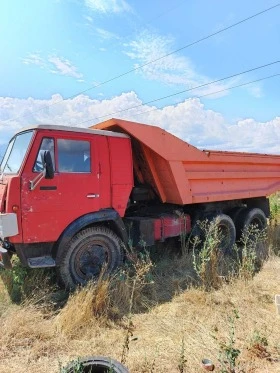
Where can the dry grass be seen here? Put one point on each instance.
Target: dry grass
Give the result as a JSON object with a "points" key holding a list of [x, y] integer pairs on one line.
{"points": [[32, 340], [83, 309], [156, 318]]}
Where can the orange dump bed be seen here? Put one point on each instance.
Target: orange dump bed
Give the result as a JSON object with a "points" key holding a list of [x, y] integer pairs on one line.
{"points": [[183, 174]]}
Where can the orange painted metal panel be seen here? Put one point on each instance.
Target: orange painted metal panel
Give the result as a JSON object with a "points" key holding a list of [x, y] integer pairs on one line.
{"points": [[183, 174]]}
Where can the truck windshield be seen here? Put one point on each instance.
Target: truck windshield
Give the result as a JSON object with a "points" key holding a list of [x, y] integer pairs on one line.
{"points": [[15, 153]]}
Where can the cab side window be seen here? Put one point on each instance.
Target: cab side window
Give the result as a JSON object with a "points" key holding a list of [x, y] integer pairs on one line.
{"points": [[73, 155], [46, 144]]}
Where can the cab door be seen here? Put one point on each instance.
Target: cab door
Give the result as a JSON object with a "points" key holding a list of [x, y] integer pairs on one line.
{"points": [[74, 191]]}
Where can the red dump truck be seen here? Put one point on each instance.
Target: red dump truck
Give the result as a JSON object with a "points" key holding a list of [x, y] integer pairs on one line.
{"points": [[73, 198]]}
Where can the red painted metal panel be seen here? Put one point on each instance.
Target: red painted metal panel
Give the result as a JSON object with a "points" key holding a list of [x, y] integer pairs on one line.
{"points": [[171, 226], [47, 212]]}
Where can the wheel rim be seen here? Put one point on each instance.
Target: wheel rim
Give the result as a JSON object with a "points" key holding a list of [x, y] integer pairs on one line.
{"points": [[90, 259]]}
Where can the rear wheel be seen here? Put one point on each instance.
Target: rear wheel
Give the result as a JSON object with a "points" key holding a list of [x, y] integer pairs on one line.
{"points": [[226, 231], [249, 217], [256, 217], [88, 252]]}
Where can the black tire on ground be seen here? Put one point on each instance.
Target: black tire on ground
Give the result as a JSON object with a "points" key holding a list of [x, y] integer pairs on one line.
{"points": [[96, 364], [226, 229], [249, 216], [86, 254], [253, 216]]}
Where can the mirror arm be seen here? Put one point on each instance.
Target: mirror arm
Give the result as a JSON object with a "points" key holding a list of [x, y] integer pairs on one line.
{"points": [[33, 183]]}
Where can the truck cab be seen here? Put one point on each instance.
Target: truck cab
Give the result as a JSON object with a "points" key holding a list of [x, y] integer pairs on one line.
{"points": [[90, 181]]}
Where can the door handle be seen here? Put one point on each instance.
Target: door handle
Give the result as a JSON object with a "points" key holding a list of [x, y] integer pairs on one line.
{"points": [[51, 187], [93, 196]]}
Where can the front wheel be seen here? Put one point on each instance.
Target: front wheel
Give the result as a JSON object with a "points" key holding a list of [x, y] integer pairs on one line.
{"points": [[87, 254]]}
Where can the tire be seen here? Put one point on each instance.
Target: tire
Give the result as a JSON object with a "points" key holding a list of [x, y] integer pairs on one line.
{"points": [[250, 216], [86, 254], [227, 230], [96, 364], [257, 217]]}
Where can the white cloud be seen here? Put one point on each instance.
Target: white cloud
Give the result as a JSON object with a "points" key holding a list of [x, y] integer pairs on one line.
{"points": [[250, 135], [53, 64], [107, 35], [88, 18], [188, 120], [171, 69], [108, 6], [34, 59], [64, 67], [174, 69]]}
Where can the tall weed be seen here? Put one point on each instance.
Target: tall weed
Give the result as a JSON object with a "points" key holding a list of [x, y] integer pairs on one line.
{"points": [[207, 254], [251, 251], [274, 224]]}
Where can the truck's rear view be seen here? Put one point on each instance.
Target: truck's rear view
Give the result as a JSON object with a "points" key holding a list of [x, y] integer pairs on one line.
{"points": [[74, 198]]}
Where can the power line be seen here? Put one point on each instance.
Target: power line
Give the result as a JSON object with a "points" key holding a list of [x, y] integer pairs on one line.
{"points": [[150, 62], [184, 91], [169, 10], [221, 90]]}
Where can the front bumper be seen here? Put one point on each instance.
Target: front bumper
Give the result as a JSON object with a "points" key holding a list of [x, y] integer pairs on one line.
{"points": [[8, 228], [8, 225]]}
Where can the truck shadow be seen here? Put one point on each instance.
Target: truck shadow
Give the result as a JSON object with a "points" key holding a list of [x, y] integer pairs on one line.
{"points": [[157, 276]]}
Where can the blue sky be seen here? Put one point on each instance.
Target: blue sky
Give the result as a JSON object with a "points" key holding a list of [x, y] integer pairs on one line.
{"points": [[54, 49]]}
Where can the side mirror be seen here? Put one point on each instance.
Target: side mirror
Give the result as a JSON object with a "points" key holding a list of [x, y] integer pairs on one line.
{"points": [[47, 172], [48, 164]]}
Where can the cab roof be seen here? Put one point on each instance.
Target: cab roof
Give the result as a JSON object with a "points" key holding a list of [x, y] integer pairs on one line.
{"points": [[51, 127]]}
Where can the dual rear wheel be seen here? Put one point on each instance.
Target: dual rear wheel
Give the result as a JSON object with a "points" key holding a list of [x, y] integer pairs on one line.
{"points": [[230, 227], [256, 219]]}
